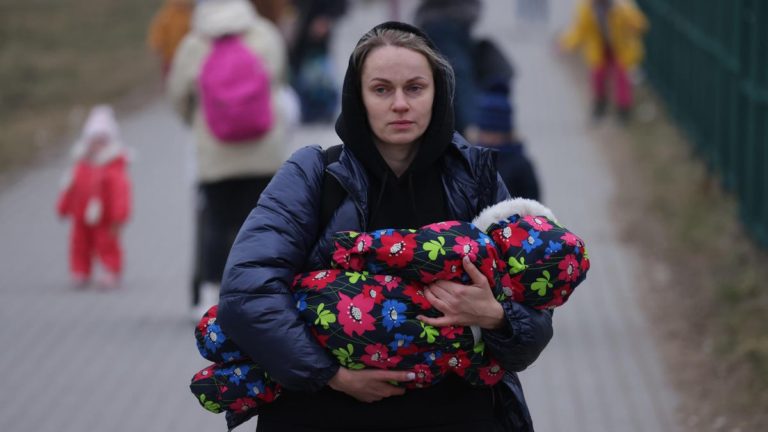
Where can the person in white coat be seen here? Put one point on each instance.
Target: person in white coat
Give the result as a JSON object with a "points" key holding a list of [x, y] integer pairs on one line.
{"points": [[229, 177]]}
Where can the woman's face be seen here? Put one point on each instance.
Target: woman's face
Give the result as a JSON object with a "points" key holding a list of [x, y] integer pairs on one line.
{"points": [[398, 90]]}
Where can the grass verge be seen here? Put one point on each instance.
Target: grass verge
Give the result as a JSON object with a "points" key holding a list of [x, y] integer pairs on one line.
{"points": [[59, 58], [707, 295]]}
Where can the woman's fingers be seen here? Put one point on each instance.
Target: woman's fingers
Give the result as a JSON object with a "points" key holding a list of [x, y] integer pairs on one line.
{"points": [[439, 297], [370, 385], [399, 376], [478, 278], [440, 305]]}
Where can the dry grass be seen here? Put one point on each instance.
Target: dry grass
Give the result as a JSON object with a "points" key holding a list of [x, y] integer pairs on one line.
{"points": [[57, 58], [707, 295]]}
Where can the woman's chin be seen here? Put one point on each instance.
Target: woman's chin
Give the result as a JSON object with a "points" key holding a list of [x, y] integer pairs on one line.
{"points": [[400, 139]]}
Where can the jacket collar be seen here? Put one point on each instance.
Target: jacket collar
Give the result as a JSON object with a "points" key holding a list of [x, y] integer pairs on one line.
{"points": [[467, 166]]}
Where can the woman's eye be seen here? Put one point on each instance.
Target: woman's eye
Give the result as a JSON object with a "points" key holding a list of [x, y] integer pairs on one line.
{"points": [[414, 88], [380, 90]]}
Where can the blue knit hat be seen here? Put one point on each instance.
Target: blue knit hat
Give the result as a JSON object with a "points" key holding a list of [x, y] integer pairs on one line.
{"points": [[494, 110]]}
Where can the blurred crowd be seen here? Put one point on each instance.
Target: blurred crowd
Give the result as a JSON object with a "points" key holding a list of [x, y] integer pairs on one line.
{"points": [[243, 74]]}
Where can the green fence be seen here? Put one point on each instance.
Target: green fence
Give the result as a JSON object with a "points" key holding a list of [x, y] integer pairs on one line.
{"points": [[708, 59]]}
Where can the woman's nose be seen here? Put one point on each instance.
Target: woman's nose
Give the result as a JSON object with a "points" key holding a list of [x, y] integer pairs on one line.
{"points": [[399, 103]]}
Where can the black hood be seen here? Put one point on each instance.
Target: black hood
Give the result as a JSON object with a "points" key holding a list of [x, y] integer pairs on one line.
{"points": [[353, 128]]}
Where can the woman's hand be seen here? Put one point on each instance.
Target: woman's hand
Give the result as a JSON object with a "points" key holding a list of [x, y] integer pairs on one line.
{"points": [[369, 385], [464, 305]]}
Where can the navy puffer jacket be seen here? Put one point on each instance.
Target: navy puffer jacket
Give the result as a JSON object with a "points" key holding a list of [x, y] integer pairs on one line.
{"points": [[281, 238]]}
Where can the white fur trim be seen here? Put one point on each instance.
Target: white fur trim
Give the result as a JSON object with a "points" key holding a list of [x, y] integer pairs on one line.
{"points": [[504, 209]]}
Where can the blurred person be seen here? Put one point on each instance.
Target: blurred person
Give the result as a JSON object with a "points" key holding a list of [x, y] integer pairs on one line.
{"points": [[533, 10], [313, 76], [279, 12], [401, 165], [273, 10], [96, 196], [169, 26], [230, 51], [449, 24], [496, 131], [609, 33]]}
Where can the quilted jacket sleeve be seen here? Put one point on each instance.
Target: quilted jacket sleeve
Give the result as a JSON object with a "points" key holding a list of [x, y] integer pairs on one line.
{"points": [[525, 336], [256, 308]]}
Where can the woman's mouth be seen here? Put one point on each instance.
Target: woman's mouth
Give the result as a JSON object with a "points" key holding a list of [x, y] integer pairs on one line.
{"points": [[400, 124]]}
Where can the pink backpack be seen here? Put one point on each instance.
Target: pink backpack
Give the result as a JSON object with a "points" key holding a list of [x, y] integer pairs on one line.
{"points": [[235, 92]]}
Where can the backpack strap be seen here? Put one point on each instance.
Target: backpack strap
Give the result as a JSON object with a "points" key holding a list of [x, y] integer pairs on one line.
{"points": [[332, 193]]}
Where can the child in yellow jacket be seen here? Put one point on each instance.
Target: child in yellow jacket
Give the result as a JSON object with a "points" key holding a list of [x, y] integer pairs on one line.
{"points": [[609, 33]]}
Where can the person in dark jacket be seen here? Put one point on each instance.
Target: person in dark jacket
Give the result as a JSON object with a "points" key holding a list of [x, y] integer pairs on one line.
{"points": [[496, 131], [313, 76], [401, 166], [449, 24]]}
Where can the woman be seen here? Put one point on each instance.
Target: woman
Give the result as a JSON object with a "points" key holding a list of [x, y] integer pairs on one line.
{"points": [[401, 166]]}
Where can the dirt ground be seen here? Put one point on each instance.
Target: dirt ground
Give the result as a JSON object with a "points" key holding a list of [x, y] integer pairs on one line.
{"points": [[682, 224]]}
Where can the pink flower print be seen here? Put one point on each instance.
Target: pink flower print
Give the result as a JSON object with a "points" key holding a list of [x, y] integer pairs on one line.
{"points": [[377, 355], [205, 373], [491, 374], [374, 292], [465, 246], [511, 287], [268, 395], [321, 338], [452, 270], [560, 295], [489, 268], [354, 314], [584, 264], [342, 257], [423, 375], [569, 268], [362, 244], [396, 250], [538, 223], [450, 332], [509, 235], [571, 239], [387, 281], [415, 291], [458, 362], [318, 280], [442, 226], [427, 278], [207, 319], [243, 405]]}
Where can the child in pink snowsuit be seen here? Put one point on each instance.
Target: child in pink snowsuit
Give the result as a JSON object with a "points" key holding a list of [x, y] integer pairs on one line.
{"points": [[97, 197]]}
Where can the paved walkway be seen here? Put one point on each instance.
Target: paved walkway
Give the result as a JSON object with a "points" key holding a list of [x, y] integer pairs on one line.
{"points": [[76, 361]]}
